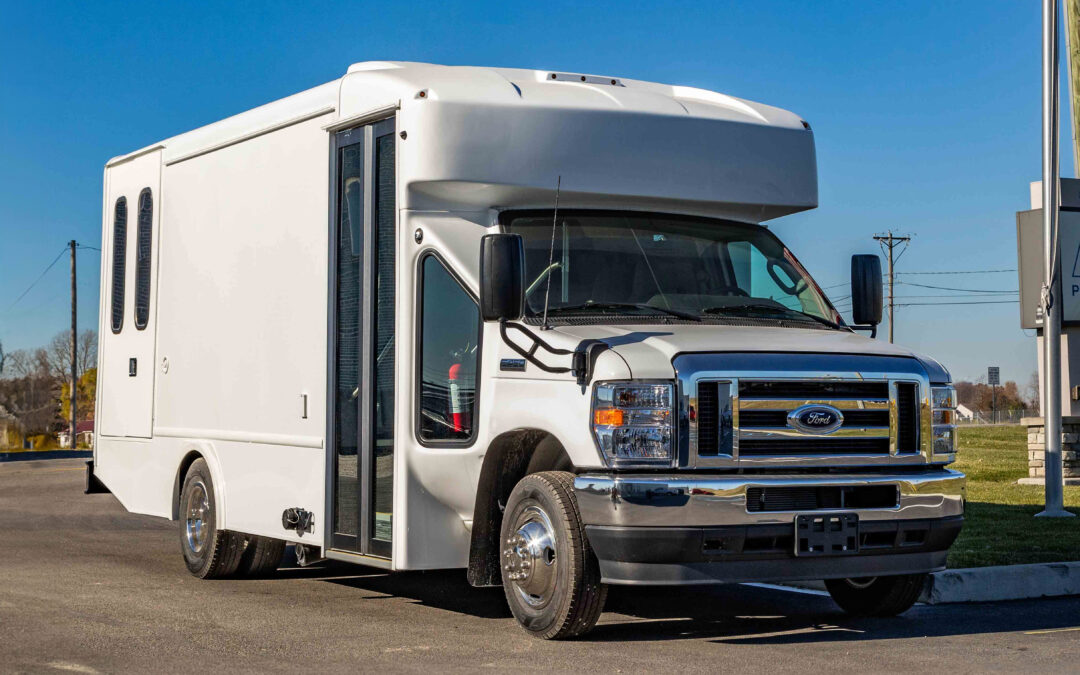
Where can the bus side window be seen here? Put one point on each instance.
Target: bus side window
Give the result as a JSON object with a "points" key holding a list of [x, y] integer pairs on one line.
{"points": [[142, 259], [119, 264], [449, 352]]}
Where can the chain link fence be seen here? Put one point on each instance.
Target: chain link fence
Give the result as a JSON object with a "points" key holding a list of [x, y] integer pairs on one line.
{"points": [[997, 417]]}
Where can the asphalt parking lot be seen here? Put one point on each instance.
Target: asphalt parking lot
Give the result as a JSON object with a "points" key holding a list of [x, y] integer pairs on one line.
{"points": [[87, 587]]}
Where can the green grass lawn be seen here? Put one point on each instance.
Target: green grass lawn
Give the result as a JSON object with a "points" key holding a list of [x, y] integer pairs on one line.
{"points": [[999, 527]]}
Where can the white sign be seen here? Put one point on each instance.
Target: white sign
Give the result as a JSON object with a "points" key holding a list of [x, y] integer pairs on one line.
{"points": [[1069, 230]]}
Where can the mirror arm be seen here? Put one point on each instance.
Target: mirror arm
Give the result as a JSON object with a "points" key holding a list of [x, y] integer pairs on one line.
{"points": [[872, 329], [580, 369]]}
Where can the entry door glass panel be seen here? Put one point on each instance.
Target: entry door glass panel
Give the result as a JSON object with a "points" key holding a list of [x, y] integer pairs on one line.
{"points": [[383, 385], [348, 339]]}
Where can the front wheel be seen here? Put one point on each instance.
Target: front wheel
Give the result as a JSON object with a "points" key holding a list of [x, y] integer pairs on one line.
{"points": [[208, 552], [550, 575], [876, 596]]}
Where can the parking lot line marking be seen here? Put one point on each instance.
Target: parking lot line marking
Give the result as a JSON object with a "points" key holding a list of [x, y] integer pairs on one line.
{"points": [[1051, 630]]}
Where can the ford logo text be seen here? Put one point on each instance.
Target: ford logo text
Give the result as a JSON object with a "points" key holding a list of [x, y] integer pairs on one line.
{"points": [[815, 419]]}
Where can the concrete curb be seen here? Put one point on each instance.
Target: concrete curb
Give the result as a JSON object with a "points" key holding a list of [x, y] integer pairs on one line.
{"points": [[1006, 582], [991, 584]]}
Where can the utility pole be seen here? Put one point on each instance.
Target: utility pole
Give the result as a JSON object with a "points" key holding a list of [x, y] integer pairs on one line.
{"points": [[890, 242], [73, 392]]}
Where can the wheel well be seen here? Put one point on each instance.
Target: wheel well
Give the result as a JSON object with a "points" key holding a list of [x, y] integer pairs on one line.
{"points": [[509, 458], [181, 474]]}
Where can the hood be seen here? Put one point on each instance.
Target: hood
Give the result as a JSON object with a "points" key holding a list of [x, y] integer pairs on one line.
{"points": [[648, 349]]}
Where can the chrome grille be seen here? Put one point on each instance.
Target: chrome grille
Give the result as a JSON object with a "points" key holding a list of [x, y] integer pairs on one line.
{"points": [[907, 417], [738, 411]]}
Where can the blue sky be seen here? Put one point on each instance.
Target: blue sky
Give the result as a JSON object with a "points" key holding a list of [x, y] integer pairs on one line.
{"points": [[926, 117]]}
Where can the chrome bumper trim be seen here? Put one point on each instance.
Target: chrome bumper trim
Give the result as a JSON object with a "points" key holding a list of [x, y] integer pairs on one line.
{"points": [[651, 500]]}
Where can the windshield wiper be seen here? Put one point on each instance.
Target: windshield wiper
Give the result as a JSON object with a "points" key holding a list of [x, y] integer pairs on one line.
{"points": [[763, 307], [601, 306]]}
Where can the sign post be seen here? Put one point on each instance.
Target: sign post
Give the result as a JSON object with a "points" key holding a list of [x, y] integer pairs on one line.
{"points": [[993, 378], [1055, 507]]}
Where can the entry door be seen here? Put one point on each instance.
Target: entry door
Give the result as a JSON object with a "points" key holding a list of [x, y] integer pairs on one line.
{"points": [[129, 316], [362, 333]]}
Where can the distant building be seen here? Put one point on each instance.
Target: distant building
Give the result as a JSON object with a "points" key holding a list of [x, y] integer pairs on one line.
{"points": [[965, 413], [84, 432]]}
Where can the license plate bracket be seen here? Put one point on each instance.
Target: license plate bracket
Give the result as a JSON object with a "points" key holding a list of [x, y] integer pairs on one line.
{"points": [[826, 534]]}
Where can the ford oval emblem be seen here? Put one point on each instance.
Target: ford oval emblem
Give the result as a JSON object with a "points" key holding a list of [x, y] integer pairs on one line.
{"points": [[815, 419]]}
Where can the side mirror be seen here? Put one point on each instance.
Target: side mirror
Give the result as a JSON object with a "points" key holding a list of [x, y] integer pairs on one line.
{"points": [[866, 298], [502, 277]]}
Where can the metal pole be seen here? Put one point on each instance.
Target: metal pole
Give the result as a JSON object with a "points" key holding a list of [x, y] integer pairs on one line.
{"points": [[1051, 305], [74, 391]]}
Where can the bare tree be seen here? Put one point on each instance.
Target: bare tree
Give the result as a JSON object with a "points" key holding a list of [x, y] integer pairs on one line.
{"points": [[57, 355], [28, 391], [22, 363], [87, 351], [1031, 392]]}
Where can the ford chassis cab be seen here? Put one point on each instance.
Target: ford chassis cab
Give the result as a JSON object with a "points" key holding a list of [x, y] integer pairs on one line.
{"points": [[530, 324]]}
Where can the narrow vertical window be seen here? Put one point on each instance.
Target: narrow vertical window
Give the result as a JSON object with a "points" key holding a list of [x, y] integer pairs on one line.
{"points": [[119, 260], [142, 260], [449, 349], [383, 338]]}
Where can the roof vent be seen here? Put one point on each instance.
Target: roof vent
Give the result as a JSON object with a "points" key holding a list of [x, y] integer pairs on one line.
{"points": [[587, 79]]}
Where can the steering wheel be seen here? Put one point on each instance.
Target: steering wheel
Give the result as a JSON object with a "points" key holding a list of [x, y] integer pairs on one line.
{"points": [[729, 290]]}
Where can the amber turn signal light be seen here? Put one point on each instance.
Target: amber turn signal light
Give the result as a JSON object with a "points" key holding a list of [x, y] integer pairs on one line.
{"points": [[608, 417]]}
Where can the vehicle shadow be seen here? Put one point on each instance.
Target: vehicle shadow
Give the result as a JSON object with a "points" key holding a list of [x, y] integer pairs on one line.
{"points": [[729, 614], [443, 589]]}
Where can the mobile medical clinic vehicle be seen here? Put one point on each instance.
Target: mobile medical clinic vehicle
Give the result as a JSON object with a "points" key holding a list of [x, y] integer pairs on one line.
{"points": [[526, 323]]}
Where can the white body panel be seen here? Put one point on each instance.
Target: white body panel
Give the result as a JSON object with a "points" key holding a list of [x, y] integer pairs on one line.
{"points": [[125, 408], [240, 296]]}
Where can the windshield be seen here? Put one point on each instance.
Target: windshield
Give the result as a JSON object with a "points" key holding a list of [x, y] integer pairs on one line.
{"points": [[671, 267]]}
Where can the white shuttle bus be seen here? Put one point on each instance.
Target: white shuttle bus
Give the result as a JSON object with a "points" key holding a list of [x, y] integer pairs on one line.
{"points": [[525, 323]]}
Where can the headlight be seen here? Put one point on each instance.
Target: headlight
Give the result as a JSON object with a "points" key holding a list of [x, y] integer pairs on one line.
{"points": [[943, 402], [632, 423]]}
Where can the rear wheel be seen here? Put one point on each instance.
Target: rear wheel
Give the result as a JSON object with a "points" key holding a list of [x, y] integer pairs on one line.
{"points": [[261, 557], [876, 596], [550, 575], [208, 552]]}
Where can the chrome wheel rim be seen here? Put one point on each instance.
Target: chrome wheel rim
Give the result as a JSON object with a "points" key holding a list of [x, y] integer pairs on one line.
{"points": [[861, 582], [530, 557], [197, 524]]}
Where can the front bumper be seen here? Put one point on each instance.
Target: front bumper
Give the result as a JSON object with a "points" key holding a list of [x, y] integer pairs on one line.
{"points": [[667, 529]]}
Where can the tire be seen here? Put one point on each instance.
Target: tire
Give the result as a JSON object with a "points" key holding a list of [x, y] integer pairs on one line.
{"points": [[876, 596], [261, 557], [550, 574], [209, 553]]}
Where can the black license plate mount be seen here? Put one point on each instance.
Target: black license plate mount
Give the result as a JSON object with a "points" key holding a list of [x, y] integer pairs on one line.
{"points": [[826, 534]]}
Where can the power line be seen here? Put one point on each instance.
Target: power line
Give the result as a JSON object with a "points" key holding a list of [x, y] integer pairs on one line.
{"points": [[40, 277], [954, 295], [957, 272], [92, 248], [947, 288], [983, 302]]}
